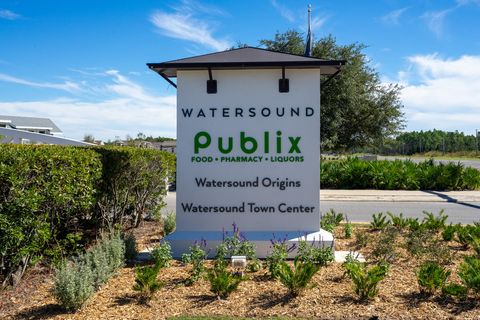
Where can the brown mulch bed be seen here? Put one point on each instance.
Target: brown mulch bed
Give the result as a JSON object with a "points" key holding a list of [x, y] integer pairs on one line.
{"points": [[330, 297]]}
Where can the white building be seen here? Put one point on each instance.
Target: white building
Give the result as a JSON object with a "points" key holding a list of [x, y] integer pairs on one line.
{"points": [[31, 130], [30, 124]]}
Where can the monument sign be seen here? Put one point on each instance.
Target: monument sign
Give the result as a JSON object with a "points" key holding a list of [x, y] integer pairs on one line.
{"points": [[248, 146]]}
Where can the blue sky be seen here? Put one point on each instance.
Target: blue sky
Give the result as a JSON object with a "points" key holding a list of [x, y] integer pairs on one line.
{"points": [[82, 63]]}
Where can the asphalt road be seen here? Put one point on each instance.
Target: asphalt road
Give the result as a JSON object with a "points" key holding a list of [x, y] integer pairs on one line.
{"points": [[361, 211]]}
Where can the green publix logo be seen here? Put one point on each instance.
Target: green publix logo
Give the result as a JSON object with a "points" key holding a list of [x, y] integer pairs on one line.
{"points": [[249, 146]]}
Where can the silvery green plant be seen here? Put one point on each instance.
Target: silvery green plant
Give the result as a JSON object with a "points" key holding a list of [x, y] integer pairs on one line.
{"points": [[73, 284], [105, 258], [169, 223], [76, 281]]}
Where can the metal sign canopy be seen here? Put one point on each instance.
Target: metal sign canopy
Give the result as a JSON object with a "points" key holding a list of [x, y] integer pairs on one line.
{"points": [[246, 58]]}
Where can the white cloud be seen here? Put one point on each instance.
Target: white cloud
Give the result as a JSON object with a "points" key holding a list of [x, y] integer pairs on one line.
{"points": [[467, 2], [283, 10], [442, 93], [317, 22], [393, 17], [193, 7], [183, 25], [435, 20], [9, 15], [128, 109], [66, 86]]}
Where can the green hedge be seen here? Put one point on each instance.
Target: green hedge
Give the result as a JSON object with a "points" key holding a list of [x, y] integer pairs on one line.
{"points": [[54, 199], [132, 183], [43, 189], [353, 173]]}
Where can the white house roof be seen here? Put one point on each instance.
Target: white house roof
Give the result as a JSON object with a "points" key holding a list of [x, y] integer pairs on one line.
{"points": [[30, 123]]}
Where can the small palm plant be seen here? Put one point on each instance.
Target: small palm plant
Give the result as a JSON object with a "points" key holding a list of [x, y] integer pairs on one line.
{"points": [[146, 282], [298, 278], [431, 276], [379, 222], [223, 282], [365, 280]]}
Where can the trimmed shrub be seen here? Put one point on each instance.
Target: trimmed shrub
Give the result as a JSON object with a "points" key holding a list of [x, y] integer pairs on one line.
{"points": [[47, 192], [54, 196], [133, 183]]}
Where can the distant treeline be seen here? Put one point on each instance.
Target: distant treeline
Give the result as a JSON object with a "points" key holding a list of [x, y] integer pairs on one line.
{"points": [[427, 141]]}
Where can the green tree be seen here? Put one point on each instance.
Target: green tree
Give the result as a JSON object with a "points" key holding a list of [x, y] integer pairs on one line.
{"points": [[89, 138], [357, 108]]}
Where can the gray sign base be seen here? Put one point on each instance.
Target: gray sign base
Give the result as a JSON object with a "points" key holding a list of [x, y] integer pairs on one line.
{"points": [[182, 240]]}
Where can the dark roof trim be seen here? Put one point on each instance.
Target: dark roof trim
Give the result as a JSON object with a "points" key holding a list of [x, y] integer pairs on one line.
{"points": [[246, 58], [203, 65], [244, 50]]}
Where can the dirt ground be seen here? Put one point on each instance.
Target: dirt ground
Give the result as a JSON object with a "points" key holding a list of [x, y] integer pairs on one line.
{"points": [[331, 296]]}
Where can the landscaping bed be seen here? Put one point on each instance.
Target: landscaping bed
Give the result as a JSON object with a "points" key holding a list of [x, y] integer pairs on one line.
{"points": [[330, 296]]}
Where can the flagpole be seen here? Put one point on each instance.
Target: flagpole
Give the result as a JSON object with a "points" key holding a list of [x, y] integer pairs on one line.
{"points": [[309, 16], [308, 44]]}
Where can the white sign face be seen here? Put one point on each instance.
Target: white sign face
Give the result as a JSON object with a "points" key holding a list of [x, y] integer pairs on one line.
{"points": [[248, 154]]}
